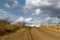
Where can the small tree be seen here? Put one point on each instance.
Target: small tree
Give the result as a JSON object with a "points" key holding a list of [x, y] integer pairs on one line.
{"points": [[59, 19], [5, 21], [22, 23]]}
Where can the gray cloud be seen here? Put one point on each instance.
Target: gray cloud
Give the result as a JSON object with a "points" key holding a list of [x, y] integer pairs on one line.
{"points": [[14, 5], [11, 3], [49, 8], [52, 9]]}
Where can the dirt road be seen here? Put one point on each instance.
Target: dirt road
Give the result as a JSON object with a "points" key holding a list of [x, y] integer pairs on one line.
{"points": [[32, 34]]}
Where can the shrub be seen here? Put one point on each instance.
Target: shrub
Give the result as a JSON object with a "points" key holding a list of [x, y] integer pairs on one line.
{"points": [[7, 27]]}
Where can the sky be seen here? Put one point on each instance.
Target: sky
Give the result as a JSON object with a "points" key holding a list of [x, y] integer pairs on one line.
{"points": [[33, 12]]}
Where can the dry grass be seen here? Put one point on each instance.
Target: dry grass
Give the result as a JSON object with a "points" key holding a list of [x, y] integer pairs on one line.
{"points": [[6, 27], [51, 27]]}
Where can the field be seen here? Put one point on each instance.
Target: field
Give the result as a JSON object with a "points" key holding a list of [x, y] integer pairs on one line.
{"points": [[51, 27], [22, 32], [29, 33]]}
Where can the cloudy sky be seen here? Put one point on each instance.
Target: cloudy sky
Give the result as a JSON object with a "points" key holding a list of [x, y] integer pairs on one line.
{"points": [[34, 12]]}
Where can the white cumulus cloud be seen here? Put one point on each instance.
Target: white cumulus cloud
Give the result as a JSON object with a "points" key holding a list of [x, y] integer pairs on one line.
{"points": [[30, 21], [37, 12], [21, 19], [53, 20]]}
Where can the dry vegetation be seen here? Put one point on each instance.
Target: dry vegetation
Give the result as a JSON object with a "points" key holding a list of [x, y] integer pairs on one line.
{"points": [[6, 27], [10, 31], [51, 27]]}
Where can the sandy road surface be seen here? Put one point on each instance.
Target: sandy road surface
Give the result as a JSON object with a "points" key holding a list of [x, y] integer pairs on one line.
{"points": [[32, 34]]}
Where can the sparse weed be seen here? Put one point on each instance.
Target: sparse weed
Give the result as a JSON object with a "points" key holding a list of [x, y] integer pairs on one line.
{"points": [[7, 27]]}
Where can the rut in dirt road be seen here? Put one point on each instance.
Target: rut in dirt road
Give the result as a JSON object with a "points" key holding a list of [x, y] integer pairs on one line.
{"points": [[32, 34]]}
